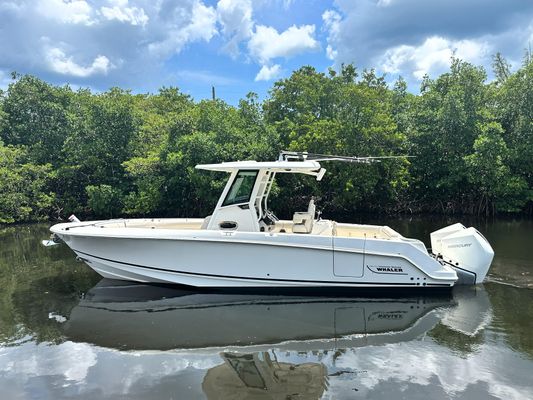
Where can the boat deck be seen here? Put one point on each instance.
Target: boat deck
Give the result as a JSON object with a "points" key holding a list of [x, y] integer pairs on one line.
{"points": [[320, 227]]}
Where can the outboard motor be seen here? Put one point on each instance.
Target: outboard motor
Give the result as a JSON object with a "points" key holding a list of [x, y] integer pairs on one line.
{"points": [[464, 249]]}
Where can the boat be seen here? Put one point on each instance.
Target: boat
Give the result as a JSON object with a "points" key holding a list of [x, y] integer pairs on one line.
{"points": [[242, 244]]}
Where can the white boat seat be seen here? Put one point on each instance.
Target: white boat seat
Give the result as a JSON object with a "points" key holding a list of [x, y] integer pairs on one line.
{"points": [[303, 221]]}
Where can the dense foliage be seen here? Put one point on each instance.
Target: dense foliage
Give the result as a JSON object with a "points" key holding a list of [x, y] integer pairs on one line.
{"points": [[116, 153]]}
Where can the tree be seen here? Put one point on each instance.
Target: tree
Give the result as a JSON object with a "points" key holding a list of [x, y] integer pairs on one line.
{"points": [[36, 116], [99, 142], [112, 153], [515, 114], [498, 189], [446, 121], [502, 69], [340, 115], [22, 187], [104, 200], [210, 131]]}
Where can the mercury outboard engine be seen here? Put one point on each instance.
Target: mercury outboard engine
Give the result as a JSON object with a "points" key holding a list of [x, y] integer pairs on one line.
{"points": [[464, 249]]}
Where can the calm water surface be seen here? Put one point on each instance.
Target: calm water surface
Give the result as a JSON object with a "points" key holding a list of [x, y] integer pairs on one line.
{"points": [[66, 333]]}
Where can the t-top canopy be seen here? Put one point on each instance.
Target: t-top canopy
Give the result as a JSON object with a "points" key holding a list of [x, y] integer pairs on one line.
{"points": [[296, 167]]}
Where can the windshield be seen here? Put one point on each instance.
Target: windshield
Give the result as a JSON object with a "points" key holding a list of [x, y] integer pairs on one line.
{"points": [[241, 188]]}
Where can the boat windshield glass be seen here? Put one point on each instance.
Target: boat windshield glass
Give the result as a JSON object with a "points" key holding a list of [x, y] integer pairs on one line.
{"points": [[241, 188]]}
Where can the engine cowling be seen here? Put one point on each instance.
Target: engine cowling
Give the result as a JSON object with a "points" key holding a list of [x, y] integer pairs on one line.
{"points": [[464, 249]]}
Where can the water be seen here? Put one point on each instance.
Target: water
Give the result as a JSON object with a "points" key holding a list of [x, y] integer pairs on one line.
{"points": [[65, 333]]}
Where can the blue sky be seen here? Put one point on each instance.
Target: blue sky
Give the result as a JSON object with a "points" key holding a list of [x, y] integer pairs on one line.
{"points": [[245, 45]]}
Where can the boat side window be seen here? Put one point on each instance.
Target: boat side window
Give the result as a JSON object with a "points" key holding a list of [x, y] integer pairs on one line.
{"points": [[241, 188]]}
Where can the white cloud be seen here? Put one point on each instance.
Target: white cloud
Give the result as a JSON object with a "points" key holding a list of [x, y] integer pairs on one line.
{"points": [[405, 38], [331, 53], [268, 73], [266, 43], [59, 62], [83, 47], [203, 22], [332, 21], [121, 12], [187, 24], [72, 12], [235, 16], [432, 57]]}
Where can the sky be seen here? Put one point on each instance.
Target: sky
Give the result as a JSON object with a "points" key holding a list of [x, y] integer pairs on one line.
{"points": [[240, 46]]}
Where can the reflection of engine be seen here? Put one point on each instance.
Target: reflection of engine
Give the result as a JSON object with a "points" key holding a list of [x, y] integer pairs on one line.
{"points": [[257, 376], [464, 249]]}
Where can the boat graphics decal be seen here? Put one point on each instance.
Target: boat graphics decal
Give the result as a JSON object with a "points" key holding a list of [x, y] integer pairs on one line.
{"points": [[386, 269]]}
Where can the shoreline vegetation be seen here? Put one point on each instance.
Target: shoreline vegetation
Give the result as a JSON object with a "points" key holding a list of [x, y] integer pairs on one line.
{"points": [[118, 154]]}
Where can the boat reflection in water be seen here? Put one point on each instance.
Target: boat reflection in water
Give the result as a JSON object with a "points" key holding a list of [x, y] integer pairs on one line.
{"points": [[268, 346], [258, 376], [128, 316]]}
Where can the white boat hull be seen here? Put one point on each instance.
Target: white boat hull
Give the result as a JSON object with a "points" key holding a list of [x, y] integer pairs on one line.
{"points": [[203, 258]]}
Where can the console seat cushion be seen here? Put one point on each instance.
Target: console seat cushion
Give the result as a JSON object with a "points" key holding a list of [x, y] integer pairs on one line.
{"points": [[303, 221]]}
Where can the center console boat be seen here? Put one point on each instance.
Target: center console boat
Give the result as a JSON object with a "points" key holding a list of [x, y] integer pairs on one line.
{"points": [[242, 244]]}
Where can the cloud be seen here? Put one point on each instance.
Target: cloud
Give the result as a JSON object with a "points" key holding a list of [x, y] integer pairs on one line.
{"points": [[122, 13], [235, 17], [433, 56], [182, 25], [72, 12], [145, 43], [263, 43], [100, 43], [202, 25], [332, 21], [266, 43], [414, 37], [139, 43], [61, 63], [268, 73]]}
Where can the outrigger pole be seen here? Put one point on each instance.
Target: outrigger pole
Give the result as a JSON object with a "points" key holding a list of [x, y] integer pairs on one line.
{"points": [[285, 155]]}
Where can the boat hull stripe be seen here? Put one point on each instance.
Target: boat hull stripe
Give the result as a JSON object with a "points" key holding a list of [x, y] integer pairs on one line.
{"points": [[262, 279]]}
